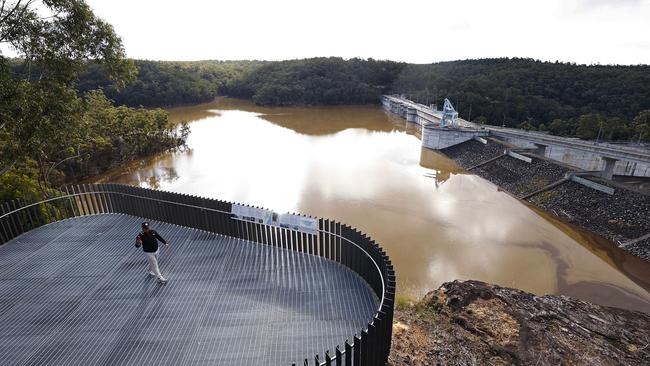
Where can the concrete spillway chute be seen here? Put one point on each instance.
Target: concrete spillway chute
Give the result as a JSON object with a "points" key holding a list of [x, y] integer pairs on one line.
{"points": [[449, 115]]}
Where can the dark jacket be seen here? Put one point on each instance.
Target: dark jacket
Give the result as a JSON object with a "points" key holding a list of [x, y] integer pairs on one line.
{"points": [[150, 241]]}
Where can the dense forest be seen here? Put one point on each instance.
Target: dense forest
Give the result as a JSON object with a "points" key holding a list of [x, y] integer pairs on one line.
{"points": [[329, 81], [606, 102], [163, 84], [591, 102], [316, 81]]}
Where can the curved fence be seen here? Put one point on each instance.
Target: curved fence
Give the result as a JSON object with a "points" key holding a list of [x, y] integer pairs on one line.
{"points": [[331, 240]]}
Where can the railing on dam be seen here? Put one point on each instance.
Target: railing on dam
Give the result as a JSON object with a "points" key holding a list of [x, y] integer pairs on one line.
{"points": [[331, 240]]}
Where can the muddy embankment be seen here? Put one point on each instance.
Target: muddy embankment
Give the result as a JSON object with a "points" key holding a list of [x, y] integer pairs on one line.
{"points": [[623, 217], [473, 323]]}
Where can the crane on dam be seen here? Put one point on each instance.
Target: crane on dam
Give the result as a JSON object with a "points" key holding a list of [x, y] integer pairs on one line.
{"points": [[449, 115]]}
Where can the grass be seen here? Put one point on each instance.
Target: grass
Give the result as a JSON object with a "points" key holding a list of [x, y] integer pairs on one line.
{"points": [[403, 301]]}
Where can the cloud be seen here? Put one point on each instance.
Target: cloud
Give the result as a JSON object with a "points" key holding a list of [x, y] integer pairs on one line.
{"points": [[589, 5]]}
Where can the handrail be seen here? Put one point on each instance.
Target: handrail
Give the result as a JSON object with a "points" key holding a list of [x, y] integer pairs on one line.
{"points": [[374, 343], [98, 192]]}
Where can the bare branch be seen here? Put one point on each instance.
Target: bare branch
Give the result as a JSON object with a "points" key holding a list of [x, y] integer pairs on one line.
{"points": [[7, 168], [49, 171], [10, 12]]}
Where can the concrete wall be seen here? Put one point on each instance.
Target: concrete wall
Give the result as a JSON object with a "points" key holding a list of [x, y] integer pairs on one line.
{"points": [[437, 138], [578, 156]]}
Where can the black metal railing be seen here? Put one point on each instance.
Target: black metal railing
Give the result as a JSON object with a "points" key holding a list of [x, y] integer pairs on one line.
{"points": [[333, 241]]}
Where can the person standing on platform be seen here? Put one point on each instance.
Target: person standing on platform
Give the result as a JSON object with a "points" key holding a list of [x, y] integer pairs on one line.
{"points": [[148, 239]]}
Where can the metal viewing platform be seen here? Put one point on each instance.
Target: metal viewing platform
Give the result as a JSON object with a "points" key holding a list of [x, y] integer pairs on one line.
{"points": [[75, 291]]}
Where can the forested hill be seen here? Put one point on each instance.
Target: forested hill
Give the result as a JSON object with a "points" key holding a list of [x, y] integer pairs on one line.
{"points": [[518, 90], [606, 102], [316, 81], [168, 83]]}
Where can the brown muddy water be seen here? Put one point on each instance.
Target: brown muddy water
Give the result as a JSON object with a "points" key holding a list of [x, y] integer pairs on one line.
{"points": [[366, 168]]}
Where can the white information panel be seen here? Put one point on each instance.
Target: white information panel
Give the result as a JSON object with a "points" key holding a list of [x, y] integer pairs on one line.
{"points": [[262, 216], [254, 214], [300, 223]]}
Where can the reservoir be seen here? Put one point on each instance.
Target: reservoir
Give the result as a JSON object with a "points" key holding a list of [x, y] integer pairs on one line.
{"points": [[363, 167]]}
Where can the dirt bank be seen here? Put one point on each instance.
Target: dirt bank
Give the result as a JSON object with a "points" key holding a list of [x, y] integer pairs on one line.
{"points": [[473, 323]]}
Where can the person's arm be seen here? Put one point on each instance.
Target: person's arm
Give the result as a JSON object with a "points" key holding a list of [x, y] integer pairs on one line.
{"points": [[157, 236], [138, 241]]}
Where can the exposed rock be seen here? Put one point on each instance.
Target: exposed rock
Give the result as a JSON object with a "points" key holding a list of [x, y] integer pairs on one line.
{"points": [[471, 153], [519, 177], [640, 249], [622, 216], [473, 323]]}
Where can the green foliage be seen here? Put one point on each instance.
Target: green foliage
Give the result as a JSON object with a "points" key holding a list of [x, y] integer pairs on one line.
{"points": [[48, 134], [19, 182], [590, 126], [403, 301], [316, 81], [57, 37], [641, 125], [526, 126], [162, 83], [110, 136]]}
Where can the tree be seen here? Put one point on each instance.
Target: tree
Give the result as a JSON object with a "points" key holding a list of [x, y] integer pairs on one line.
{"points": [[57, 40], [590, 126], [526, 126], [641, 126], [41, 114]]}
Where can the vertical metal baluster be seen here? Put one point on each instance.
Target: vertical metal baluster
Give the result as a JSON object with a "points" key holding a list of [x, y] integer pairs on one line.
{"points": [[101, 200], [348, 353], [327, 236], [91, 199], [372, 344], [109, 198], [12, 229], [365, 357], [77, 208], [16, 218], [339, 356], [79, 198], [357, 351], [5, 235], [338, 244], [82, 199], [28, 213]]}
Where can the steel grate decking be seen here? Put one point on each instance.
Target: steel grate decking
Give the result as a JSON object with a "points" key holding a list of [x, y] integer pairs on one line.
{"points": [[76, 292]]}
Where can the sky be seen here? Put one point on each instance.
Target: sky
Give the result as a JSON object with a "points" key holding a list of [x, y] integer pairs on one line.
{"points": [[417, 31]]}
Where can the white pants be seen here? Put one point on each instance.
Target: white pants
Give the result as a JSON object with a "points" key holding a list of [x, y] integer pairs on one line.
{"points": [[152, 258]]}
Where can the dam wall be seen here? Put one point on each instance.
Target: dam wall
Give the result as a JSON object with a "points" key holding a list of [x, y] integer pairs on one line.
{"points": [[608, 158]]}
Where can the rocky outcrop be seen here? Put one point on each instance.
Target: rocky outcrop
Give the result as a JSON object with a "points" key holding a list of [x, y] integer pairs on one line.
{"points": [[474, 323]]}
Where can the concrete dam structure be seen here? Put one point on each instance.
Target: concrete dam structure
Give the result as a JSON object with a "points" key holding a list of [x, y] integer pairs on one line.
{"points": [[604, 159]]}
